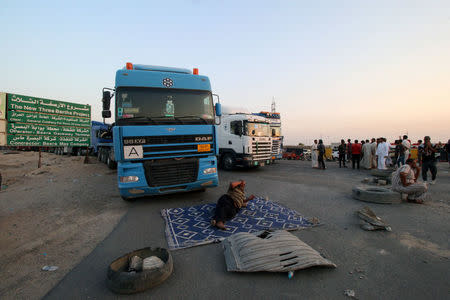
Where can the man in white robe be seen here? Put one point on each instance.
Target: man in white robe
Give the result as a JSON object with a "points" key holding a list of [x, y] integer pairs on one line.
{"points": [[374, 151], [314, 161], [382, 154], [366, 161], [407, 146]]}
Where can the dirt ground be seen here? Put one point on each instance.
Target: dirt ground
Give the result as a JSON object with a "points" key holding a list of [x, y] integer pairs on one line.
{"points": [[51, 216]]}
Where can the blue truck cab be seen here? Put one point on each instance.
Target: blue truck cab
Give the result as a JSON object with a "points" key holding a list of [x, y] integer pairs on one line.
{"points": [[164, 134]]}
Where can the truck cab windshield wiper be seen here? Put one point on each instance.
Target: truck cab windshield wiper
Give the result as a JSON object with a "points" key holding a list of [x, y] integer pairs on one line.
{"points": [[194, 117], [138, 119]]}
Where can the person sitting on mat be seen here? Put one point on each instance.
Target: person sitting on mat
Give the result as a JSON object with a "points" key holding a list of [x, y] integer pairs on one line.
{"points": [[230, 203]]}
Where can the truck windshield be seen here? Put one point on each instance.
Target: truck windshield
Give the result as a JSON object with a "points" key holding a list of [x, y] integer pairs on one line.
{"points": [[163, 106], [275, 131], [257, 129]]}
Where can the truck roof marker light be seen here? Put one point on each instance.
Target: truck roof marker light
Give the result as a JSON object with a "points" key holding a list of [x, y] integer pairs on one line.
{"points": [[129, 66], [195, 71]]}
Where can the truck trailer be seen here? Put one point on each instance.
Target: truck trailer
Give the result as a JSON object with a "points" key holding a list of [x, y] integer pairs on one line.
{"points": [[244, 140], [165, 134]]}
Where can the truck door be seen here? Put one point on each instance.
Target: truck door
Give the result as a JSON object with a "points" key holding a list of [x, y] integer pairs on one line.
{"points": [[235, 137]]}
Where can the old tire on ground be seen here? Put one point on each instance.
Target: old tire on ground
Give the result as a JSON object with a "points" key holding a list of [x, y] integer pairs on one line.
{"points": [[376, 195], [122, 282], [381, 173], [228, 161]]}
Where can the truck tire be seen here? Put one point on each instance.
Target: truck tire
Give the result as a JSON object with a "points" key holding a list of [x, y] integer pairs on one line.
{"points": [[122, 282], [228, 162], [99, 157], [376, 195], [104, 156], [381, 173], [110, 163]]}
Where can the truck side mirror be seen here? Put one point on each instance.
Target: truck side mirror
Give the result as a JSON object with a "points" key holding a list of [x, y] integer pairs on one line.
{"points": [[106, 114], [106, 100], [218, 109]]}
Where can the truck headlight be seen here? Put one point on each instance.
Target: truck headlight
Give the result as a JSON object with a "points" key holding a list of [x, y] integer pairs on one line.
{"points": [[125, 179], [209, 171]]}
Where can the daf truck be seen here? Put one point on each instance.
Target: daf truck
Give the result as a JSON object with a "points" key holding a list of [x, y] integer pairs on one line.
{"points": [[165, 133], [244, 140]]}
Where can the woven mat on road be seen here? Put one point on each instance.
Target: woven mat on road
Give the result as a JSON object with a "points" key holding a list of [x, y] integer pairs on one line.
{"points": [[190, 226]]}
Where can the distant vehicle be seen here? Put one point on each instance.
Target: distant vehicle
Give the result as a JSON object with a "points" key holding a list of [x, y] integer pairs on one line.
{"points": [[335, 154], [244, 140], [294, 153], [275, 132]]}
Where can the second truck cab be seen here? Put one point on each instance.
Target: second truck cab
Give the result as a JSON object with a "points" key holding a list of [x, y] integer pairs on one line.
{"points": [[244, 140]]}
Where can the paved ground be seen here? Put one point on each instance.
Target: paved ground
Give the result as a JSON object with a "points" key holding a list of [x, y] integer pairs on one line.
{"points": [[54, 215], [411, 262]]}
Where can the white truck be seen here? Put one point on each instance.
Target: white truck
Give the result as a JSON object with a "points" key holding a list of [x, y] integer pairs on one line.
{"points": [[244, 140]]}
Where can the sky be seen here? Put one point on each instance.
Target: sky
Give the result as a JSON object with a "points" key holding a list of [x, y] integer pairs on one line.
{"points": [[336, 69]]}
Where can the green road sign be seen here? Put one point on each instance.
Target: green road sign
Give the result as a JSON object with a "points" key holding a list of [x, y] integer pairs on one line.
{"points": [[39, 118], [42, 140], [33, 129], [40, 105], [36, 121]]}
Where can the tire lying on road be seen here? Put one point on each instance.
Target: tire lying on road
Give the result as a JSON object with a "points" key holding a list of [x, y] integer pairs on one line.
{"points": [[122, 282], [376, 195], [381, 173]]}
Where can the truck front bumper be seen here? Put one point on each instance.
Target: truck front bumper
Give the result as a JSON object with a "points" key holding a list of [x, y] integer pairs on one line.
{"points": [[140, 188]]}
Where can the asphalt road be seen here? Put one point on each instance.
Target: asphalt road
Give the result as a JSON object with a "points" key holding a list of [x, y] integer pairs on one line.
{"points": [[411, 262]]}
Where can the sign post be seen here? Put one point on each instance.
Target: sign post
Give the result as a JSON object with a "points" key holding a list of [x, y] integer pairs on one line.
{"points": [[39, 122]]}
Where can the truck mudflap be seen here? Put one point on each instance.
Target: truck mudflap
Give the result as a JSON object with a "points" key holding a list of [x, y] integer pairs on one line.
{"points": [[159, 177]]}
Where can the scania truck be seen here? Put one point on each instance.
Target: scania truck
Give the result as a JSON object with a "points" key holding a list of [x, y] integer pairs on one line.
{"points": [[275, 132], [244, 140], [164, 135]]}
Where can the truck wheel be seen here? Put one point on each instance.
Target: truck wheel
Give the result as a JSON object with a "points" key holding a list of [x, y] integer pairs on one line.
{"points": [[228, 162], [376, 195], [99, 157], [110, 163], [104, 156], [127, 199]]}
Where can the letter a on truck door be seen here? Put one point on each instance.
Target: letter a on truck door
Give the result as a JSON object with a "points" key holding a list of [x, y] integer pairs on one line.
{"points": [[133, 152]]}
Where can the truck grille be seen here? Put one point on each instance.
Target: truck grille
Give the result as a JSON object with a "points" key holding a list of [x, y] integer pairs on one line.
{"points": [[276, 147], [171, 172], [261, 150]]}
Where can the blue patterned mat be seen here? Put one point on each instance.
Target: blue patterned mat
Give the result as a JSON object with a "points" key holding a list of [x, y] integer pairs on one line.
{"points": [[190, 226]]}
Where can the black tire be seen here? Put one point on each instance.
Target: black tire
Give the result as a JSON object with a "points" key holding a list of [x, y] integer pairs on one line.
{"points": [[228, 162], [122, 282], [104, 156], [128, 199], [376, 195], [110, 163], [381, 173], [99, 155]]}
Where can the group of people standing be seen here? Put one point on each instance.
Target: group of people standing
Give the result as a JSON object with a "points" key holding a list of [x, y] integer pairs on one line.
{"points": [[367, 154]]}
